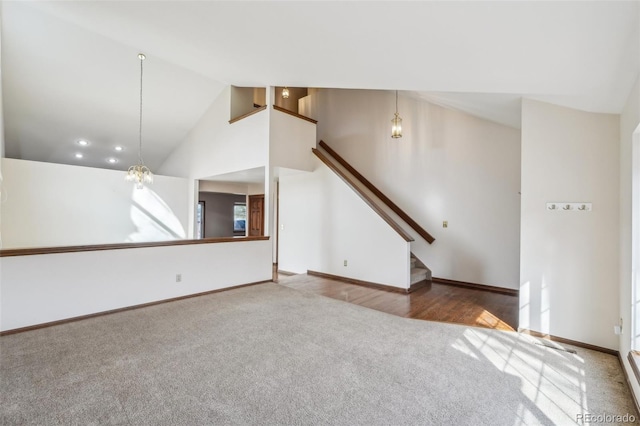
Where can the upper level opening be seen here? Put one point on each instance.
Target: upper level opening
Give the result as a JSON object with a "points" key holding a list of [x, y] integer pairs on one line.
{"points": [[288, 97], [246, 100]]}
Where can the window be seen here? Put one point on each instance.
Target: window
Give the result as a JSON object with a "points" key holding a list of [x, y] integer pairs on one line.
{"points": [[239, 217], [635, 240], [200, 220]]}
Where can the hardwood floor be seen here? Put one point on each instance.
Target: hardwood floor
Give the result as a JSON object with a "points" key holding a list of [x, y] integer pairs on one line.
{"points": [[435, 302]]}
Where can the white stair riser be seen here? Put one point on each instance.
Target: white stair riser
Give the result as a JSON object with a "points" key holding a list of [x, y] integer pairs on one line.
{"points": [[419, 274]]}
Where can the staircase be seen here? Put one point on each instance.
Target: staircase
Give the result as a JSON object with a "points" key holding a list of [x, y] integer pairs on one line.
{"points": [[420, 275], [419, 238]]}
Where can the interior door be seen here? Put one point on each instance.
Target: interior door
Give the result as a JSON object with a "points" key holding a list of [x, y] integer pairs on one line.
{"points": [[256, 215]]}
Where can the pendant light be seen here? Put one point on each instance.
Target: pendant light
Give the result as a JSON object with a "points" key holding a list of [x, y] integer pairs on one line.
{"points": [[396, 122], [285, 93], [140, 174]]}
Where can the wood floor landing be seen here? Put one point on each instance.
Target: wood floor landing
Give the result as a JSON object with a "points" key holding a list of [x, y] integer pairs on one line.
{"points": [[435, 302]]}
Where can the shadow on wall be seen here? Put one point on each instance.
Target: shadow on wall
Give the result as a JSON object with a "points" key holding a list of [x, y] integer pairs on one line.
{"points": [[153, 218], [535, 306]]}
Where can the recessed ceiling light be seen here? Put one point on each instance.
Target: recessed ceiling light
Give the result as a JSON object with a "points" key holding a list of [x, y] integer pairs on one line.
{"points": [[78, 155], [112, 160], [83, 142], [119, 148]]}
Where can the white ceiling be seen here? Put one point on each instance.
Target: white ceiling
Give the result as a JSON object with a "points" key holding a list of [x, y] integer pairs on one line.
{"points": [[70, 69]]}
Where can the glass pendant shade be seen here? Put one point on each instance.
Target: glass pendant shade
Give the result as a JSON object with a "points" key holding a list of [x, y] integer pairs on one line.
{"points": [[396, 122], [396, 127], [285, 93], [139, 174]]}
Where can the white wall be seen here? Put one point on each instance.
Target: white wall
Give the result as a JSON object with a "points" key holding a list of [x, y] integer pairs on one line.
{"points": [[255, 189], [43, 288], [2, 191], [324, 222], [569, 260], [1, 105], [47, 204], [226, 187], [216, 147], [241, 100], [629, 122], [290, 142], [447, 166]]}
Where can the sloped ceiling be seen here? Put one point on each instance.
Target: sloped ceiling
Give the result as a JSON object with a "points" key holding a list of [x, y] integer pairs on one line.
{"points": [[70, 69]]}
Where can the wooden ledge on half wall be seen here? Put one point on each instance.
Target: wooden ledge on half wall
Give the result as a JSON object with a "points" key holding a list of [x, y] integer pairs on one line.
{"points": [[250, 113], [120, 246], [295, 114]]}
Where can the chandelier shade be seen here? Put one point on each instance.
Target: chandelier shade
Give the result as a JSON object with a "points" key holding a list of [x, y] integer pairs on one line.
{"points": [[139, 174], [396, 123]]}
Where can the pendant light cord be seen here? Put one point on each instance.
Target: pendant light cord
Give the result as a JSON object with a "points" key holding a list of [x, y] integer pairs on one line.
{"points": [[396, 102], [140, 128]]}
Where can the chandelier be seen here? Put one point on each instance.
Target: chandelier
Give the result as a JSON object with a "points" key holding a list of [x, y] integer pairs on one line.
{"points": [[139, 174], [396, 122]]}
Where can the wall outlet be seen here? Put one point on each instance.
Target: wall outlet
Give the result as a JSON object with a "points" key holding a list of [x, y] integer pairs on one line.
{"points": [[178, 278], [445, 223], [345, 262]]}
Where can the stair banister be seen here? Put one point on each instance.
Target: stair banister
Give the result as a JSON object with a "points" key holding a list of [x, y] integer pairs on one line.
{"points": [[371, 187]]}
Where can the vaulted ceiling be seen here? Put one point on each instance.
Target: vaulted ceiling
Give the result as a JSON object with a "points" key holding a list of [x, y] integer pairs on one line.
{"points": [[70, 69]]}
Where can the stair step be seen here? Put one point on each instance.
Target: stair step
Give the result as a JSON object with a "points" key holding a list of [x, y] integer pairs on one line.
{"points": [[413, 262], [418, 274]]}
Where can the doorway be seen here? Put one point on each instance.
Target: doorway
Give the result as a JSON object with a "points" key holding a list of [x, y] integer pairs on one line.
{"points": [[220, 215], [256, 215]]}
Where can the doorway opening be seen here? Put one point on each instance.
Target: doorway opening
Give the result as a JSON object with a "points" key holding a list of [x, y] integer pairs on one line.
{"points": [[256, 215]]}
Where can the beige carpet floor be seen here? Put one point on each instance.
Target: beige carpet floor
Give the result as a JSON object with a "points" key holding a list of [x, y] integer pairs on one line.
{"points": [[269, 354]]}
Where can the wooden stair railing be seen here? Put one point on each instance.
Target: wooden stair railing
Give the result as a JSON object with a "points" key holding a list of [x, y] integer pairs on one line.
{"points": [[371, 187], [365, 197], [295, 114], [250, 113]]}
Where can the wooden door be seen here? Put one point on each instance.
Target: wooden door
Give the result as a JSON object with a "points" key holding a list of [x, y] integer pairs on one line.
{"points": [[256, 215]]}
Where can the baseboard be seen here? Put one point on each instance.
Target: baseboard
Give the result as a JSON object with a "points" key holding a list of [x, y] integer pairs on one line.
{"points": [[493, 289], [127, 308], [281, 272], [569, 341], [360, 282]]}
